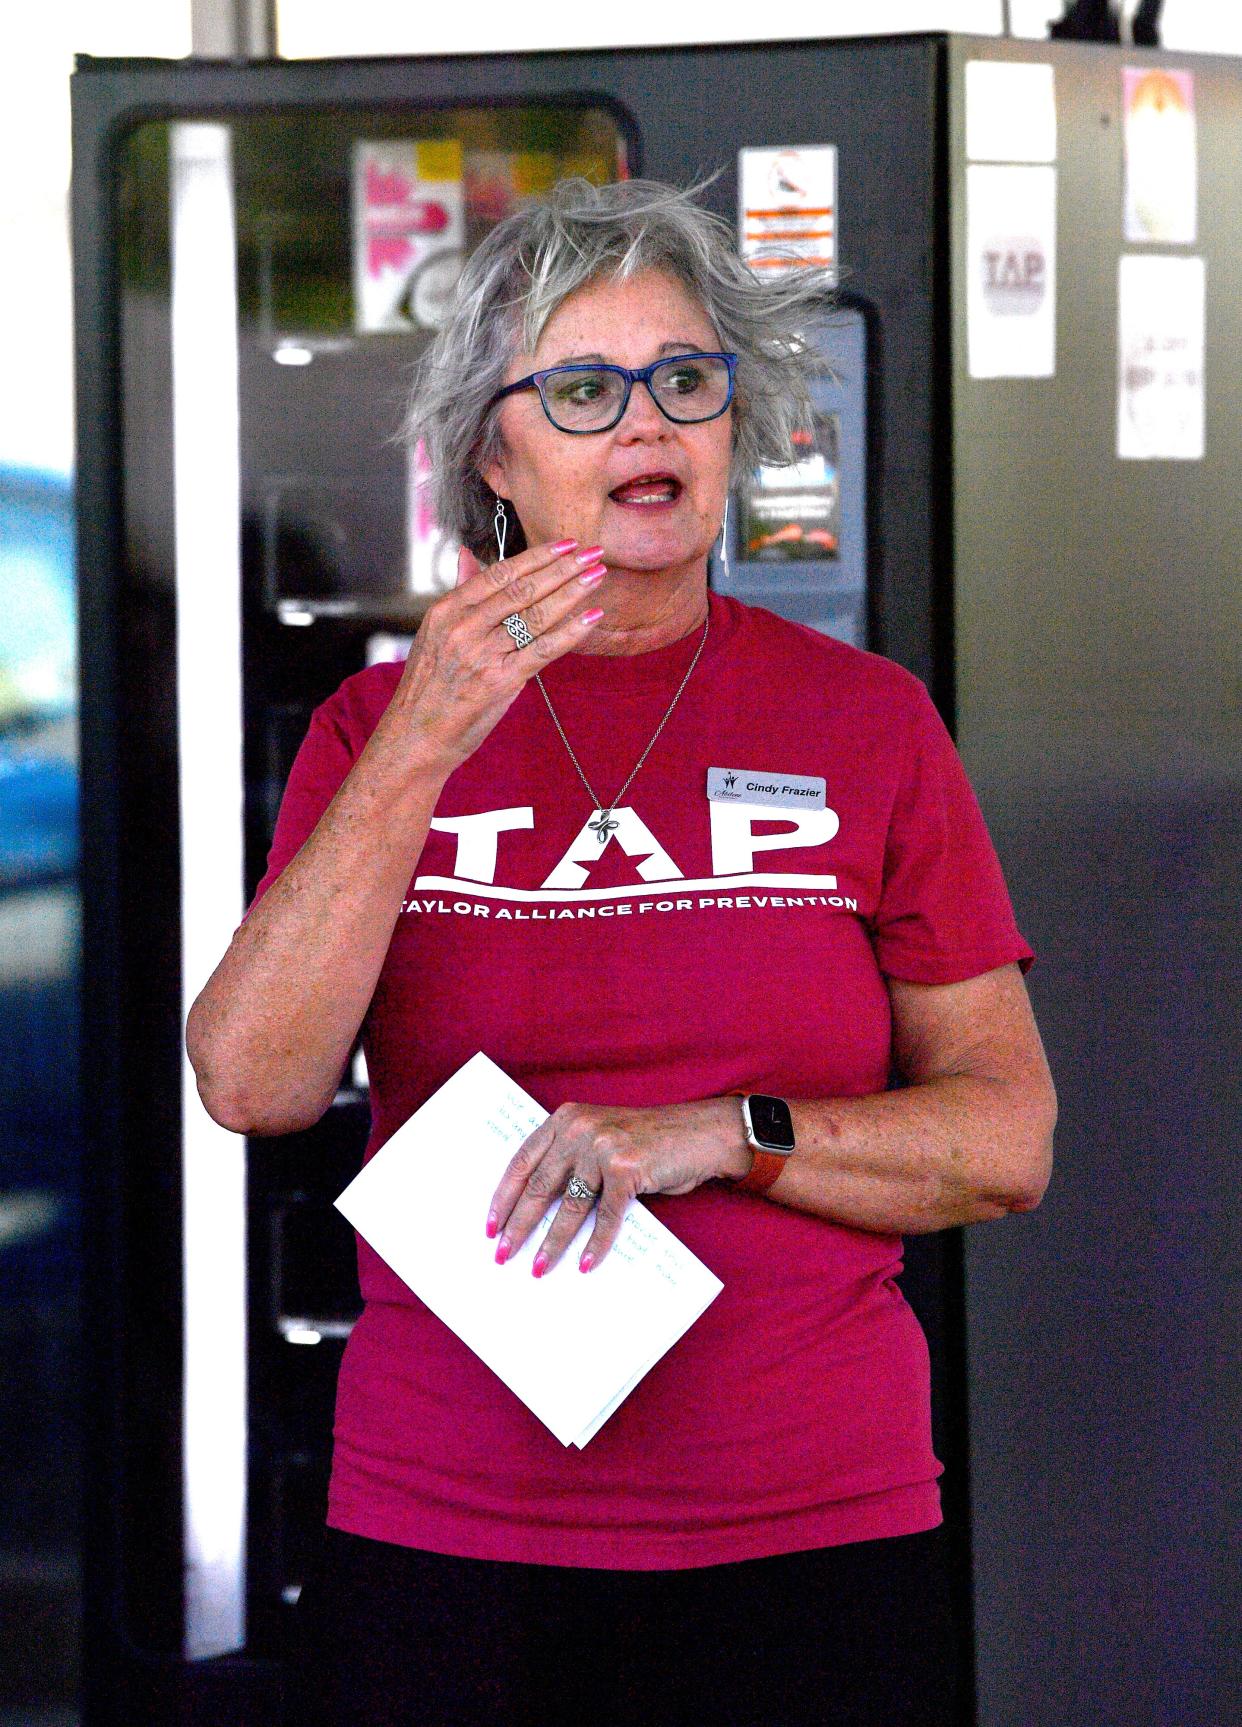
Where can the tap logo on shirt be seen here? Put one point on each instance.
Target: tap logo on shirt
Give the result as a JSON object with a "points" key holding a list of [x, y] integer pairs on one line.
{"points": [[565, 892]]}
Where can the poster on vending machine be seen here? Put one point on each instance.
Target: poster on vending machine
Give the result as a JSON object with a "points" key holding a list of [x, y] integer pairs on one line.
{"points": [[1011, 111], [409, 231], [1161, 315], [1011, 282], [431, 555], [793, 513], [787, 215], [1161, 155]]}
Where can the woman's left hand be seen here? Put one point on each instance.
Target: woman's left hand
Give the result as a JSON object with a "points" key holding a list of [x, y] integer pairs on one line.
{"points": [[618, 1154]]}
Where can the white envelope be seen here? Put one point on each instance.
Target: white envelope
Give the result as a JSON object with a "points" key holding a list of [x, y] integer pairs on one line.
{"points": [[571, 1346]]}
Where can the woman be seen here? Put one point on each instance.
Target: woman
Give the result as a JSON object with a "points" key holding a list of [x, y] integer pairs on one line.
{"points": [[546, 837]]}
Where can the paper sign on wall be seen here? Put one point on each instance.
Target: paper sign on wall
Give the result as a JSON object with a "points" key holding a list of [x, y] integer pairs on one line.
{"points": [[1011, 235], [787, 215], [1161, 155], [1011, 111], [1160, 342]]}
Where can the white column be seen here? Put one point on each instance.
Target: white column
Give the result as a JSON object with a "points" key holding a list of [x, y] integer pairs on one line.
{"points": [[233, 29], [207, 500]]}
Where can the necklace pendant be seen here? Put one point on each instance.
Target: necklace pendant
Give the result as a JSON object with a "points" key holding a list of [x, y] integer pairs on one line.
{"points": [[603, 825]]}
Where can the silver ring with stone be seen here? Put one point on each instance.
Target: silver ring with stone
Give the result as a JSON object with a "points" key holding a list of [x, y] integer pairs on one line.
{"points": [[516, 625], [578, 1189]]}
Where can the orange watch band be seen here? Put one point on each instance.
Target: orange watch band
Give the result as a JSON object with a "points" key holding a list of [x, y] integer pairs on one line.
{"points": [[763, 1171]]}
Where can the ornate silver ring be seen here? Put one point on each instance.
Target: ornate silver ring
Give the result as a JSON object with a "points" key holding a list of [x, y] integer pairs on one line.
{"points": [[515, 623], [578, 1189]]}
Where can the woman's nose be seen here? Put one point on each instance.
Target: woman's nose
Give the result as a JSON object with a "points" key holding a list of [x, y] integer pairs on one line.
{"points": [[641, 417]]}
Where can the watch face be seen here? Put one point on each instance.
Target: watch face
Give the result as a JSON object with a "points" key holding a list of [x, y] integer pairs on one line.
{"points": [[771, 1123]]}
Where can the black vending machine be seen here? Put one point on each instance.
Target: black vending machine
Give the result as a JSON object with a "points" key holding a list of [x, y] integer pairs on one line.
{"points": [[261, 250]]}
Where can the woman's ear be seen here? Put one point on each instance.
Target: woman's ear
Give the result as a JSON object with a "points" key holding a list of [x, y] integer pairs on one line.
{"points": [[494, 475]]}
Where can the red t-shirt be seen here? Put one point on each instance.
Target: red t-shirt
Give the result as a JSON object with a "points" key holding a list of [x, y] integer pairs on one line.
{"points": [[702, 950]]}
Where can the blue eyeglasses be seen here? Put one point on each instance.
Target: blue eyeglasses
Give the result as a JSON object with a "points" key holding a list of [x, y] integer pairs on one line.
{"points": [[687, 389]]}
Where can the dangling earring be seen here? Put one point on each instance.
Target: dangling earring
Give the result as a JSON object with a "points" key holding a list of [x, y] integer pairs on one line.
{"points": [[724, 539], [500, 521]]}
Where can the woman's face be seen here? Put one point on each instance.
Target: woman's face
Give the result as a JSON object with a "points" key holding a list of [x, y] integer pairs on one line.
{"points": [[650, 492]]}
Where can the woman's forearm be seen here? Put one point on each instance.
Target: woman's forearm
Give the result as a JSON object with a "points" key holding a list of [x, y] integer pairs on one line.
{"points": [[272, 1030], [959, 1148], [952, 1150]]}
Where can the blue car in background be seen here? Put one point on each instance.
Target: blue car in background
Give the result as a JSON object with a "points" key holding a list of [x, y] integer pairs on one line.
{"points": [[38, 683], [40, 1135]]}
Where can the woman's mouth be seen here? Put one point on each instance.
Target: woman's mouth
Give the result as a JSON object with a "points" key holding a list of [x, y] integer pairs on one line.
{"points": [[647, 492]]}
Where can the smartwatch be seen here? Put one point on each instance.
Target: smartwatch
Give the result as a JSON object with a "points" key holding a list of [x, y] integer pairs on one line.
{"points": [[770, 1134]]}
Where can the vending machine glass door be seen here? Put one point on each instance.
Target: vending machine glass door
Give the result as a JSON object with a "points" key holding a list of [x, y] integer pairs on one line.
{"points": [[278, 275]]}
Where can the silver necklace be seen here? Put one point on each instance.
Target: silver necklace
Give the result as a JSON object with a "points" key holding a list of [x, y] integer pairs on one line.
{"points": [[604, 825]]}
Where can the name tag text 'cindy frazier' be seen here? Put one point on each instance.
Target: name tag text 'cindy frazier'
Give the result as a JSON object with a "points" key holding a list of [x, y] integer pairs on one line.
{"points": [[751, 786]]}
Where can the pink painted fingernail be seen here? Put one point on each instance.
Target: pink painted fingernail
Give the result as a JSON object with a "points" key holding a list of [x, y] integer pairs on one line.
{"points": [[586, 1262], [591, 617], [493, 1224], [541, 1264], [502, 1249], [560, 547], [589, 555], [592, 578]]}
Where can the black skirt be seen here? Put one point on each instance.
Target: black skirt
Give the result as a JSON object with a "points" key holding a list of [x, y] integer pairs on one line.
{"points": [[860, 1635]]}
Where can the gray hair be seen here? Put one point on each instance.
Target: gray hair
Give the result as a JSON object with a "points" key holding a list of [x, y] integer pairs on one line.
{"points": [[532, 261]]}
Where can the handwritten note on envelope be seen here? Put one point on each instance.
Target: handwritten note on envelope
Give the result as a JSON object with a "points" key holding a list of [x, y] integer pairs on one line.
{"points": [[572, 1347]]}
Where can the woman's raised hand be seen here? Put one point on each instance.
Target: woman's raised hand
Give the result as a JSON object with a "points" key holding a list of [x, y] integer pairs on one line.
{"points": [[465, 669]]}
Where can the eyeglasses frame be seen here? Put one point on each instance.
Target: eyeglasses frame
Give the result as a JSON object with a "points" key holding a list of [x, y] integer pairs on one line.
{"points": [[632, 376]]}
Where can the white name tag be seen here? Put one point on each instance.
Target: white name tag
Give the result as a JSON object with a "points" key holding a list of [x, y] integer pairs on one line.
{"points": [[783, 791]]}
